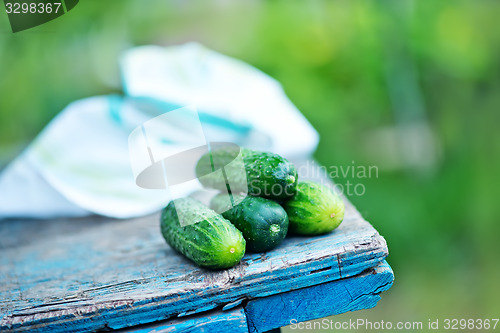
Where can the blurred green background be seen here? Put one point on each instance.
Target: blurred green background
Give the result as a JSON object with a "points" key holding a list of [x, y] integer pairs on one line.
{"points": [[412, 87]]}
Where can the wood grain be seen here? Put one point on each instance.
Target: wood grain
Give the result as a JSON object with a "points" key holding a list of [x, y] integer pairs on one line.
{"points": [[97, 273], [263, 314], [216, 321], [330, 298]]}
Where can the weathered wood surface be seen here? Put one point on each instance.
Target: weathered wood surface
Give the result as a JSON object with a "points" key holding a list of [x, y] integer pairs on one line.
{"points": [[215, 321], [97, 273], [263, 314], [330, 298]]}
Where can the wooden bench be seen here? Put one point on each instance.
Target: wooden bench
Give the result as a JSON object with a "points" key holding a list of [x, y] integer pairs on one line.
{"points": [[96, 273]]}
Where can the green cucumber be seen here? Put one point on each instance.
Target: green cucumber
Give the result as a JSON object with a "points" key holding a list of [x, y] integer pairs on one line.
{"points": [[263, 222], [265, 174], [211, 241], [314, 210]]}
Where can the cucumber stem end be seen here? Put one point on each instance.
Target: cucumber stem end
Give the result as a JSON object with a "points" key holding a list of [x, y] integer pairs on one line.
{"points": [[274, 228], [290, 179]]}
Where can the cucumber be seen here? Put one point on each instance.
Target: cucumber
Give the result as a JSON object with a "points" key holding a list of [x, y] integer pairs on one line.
{"points": [[263, 222], [314, 210], [213, 242], [265, 174]]}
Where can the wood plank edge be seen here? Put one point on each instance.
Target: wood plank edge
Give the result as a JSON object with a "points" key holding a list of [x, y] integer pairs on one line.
{"points": [[330, 298]]}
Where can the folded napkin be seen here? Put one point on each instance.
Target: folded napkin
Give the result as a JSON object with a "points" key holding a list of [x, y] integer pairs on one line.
{"points": [[81, 163]]}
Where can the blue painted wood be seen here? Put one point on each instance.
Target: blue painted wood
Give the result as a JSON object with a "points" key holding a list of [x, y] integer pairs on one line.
{"points": [[350, 294], [97, 273], [330, 298], [217, 321]]}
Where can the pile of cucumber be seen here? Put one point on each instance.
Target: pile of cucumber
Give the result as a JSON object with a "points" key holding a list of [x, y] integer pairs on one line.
{"points": [[276, 203]]}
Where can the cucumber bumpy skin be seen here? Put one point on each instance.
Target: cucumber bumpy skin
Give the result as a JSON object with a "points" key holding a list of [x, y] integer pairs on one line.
{"points": [[314, 210], [263, 222], [211, 243], [268, 175]]}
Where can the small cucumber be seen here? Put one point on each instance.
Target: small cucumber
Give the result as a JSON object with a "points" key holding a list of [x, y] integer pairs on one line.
{"points": [[314, 210], [213, 242], [263, 222], [265, 174]]}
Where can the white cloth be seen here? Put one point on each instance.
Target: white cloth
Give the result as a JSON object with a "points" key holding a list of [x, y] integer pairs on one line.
{"points": [[80, 164]]}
